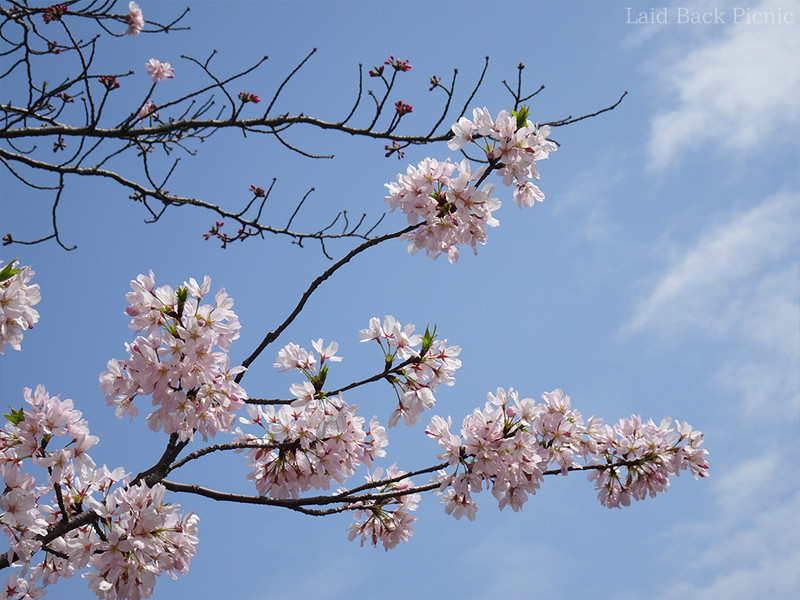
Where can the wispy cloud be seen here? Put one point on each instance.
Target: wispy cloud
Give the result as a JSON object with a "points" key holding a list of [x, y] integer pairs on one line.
{"points": [[733, 90], [733, 278], [738, 284]]}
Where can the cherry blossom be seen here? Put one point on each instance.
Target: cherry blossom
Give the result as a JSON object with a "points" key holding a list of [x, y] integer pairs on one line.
{"points": [[453, 210], [138, 535], [386, 521], [147, 109], [328, 352], [509, 445], [445, 196], [145, 537], [651, 454], [51, 434], [17, 299], [422, 370], [309, 446], [19, 587], [175, 361], [293, 356], [159, 71], [134, 19]]}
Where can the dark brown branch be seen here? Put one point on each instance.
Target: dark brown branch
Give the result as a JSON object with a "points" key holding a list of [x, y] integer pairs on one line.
{"points": [[285, 81], [159, 470], [350, 499], [254, 443], [274, 334], [142, 193], [570, 120]]}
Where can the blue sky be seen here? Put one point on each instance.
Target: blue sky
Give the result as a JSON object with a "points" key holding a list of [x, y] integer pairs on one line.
{"points": [[660, 276]]}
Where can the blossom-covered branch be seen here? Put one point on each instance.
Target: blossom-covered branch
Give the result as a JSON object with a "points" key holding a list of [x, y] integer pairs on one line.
{"points": [[119, 526], [112, 127], [312, 451]]}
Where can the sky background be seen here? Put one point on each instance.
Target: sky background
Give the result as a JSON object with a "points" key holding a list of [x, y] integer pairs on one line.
{"points": [[660, 277]]}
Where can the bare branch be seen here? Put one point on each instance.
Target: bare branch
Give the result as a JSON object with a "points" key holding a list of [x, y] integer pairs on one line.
{"points": [[274, 334]]}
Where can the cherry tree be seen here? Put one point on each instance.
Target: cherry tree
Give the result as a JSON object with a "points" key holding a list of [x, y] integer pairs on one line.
{"points": [[310, 451]]}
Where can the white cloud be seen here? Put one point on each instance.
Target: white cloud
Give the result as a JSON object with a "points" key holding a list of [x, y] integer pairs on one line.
{"points": [[733, 279], [738, 285], [734, 90]]}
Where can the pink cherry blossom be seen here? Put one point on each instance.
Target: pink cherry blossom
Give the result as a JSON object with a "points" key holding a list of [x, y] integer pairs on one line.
{"points": [[418, 377], [293, 356], [388, 521], [651, 454], [446, 197], [159, 71], [17, 299], [50, 433], [181, 360], [463, 131], [509, 444], [328, 352], [146, 110], [144, 537], [453, 210], [309, 446], [19, 587], [134, 19]]}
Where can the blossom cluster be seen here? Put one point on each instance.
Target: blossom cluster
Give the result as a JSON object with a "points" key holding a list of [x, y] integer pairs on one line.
{"points": [[651, 454], [130, 536], [30, 433], [246, 97], [109, 81], [319, 439], [17, 299], [427, 362], [444, 196], [315, 440], [511, 443], [387, 521], [180, 359], [54, 13], [144, 537], [308, 447]]}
